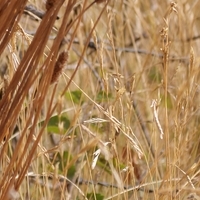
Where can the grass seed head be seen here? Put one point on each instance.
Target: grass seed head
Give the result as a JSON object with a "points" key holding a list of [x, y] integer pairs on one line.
{"points": [[60, 63]]}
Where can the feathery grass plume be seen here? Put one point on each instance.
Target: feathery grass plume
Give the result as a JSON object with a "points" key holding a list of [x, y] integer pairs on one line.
{"points": [[60, 63]]}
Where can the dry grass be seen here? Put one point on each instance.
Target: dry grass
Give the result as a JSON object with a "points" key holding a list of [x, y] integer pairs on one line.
{"points": [[99, 100]]}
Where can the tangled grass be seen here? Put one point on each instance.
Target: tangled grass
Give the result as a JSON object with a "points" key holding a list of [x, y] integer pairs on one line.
{"points": [[99, 99]]}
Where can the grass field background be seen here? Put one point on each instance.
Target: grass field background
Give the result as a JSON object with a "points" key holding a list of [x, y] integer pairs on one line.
{"points": [[102, 103]]}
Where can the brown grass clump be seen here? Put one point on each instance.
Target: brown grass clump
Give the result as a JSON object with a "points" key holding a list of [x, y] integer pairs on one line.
{"points": [[23, 99], [122, 120]]}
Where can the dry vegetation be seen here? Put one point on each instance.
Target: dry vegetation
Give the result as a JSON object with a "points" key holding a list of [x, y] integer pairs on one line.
{"points": [[99, 99]]}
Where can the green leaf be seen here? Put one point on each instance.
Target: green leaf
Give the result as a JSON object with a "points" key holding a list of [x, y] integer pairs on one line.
{"points": [[55, 122], [53, 129], [117, 164], [169, 101], [154, 75], [63, 160], [103, 163], [71, 171], [102, 96], [75, 96], [97, 196]]}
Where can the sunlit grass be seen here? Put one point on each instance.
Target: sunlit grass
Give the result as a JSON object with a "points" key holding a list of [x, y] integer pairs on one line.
{"points": [[102, 103]]}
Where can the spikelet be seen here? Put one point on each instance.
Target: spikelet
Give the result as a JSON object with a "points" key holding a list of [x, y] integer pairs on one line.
{"points": [[60, 63], [50, 4]]}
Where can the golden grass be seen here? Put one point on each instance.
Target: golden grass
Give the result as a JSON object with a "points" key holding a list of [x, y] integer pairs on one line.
{"points": [[99, 100]]}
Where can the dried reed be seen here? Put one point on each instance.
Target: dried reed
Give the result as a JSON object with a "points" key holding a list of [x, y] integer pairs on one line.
{"points": [[24, 97]]}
